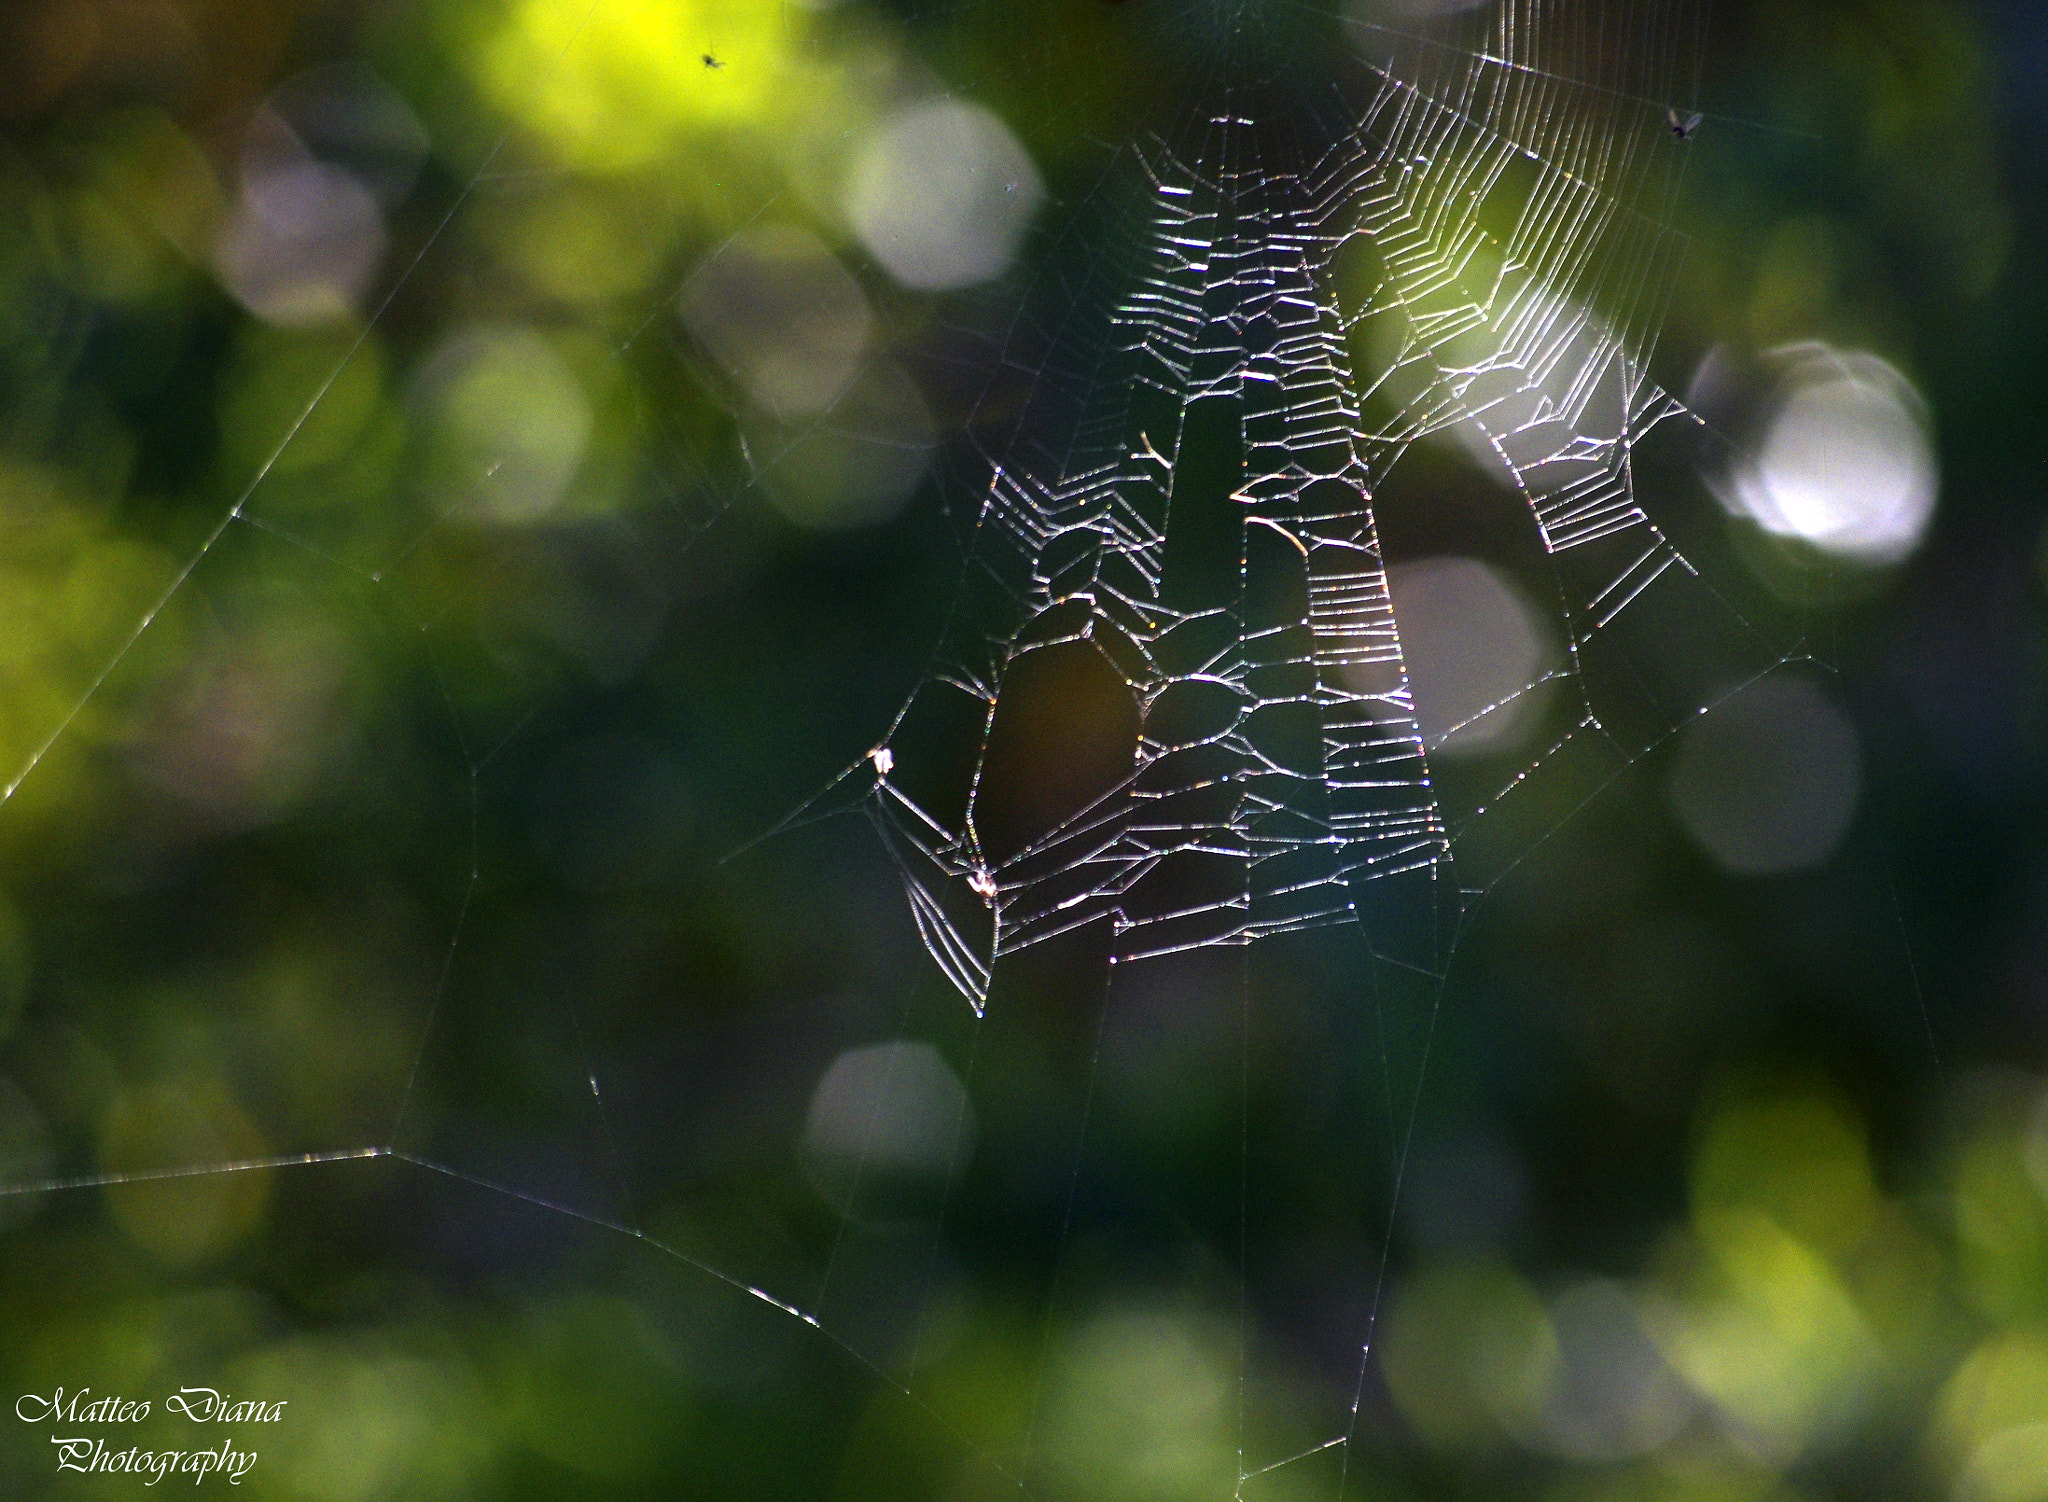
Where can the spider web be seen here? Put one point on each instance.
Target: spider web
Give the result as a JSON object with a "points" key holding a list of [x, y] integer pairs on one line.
{"points": [[1211, 419], [1469, 240]]}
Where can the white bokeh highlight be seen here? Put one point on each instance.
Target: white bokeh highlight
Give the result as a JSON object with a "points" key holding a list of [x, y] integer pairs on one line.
{"points": [[781, 316], [1844, 461], [506, 422], [1611, 1396], [941, 194], [891, 1109], [323, 158], [1767, 782], [1476, 653], [305, 239]]}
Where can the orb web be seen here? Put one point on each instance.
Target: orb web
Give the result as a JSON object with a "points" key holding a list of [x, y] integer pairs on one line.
{"points": [[1380, 289]]}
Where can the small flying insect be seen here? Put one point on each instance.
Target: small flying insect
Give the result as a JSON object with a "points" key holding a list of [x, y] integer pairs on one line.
{"points": [[1682, 126], [712, 62]]}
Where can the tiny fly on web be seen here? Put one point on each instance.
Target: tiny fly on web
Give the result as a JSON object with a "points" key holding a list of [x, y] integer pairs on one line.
{"points": [[1683, 126]]}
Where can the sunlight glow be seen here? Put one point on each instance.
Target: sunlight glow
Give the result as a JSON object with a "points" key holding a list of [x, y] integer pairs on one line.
{"points": [[1845, 462]]}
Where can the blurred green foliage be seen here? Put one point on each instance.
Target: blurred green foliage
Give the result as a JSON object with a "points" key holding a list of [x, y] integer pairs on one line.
{"points": [[393, 650]]}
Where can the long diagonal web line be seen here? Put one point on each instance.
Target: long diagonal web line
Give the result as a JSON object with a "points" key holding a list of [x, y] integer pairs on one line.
{"points": [[1264, 310]]}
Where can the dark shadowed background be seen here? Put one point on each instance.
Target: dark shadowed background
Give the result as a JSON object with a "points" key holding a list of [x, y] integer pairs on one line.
{"points": [[469, 470]]}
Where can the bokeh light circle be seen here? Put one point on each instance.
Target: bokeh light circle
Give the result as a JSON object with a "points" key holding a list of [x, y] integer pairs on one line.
{"points": [[1842, 461], [941, 194], [1768, 781]]}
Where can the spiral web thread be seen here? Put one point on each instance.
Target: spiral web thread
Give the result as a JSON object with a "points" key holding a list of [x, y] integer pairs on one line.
{"points": [[1308, 311]]}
